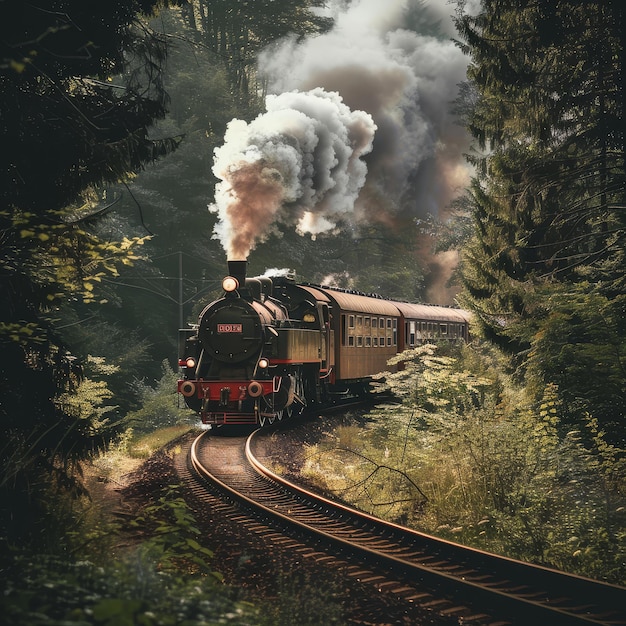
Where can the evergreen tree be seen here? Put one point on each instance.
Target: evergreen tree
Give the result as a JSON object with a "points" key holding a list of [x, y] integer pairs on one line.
{"points": [[549, 194], [237, 30]]}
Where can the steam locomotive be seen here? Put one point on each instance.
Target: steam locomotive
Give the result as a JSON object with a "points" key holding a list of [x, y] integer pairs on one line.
{"points": [[271, 347]]}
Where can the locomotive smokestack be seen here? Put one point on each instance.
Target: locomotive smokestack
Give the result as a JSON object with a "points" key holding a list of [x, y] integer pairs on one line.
{"points": [[237, 269]]}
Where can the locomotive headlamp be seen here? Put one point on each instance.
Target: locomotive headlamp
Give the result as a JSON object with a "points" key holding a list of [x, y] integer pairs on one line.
{"points": [[263, 363], [190, 363], [230, 284]]}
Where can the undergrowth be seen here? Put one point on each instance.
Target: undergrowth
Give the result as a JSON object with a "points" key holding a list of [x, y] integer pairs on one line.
{"points": [[464, 454], [168, 578]]}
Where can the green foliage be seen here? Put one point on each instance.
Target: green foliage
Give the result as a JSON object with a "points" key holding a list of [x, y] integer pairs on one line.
{"points": [[543, 271], [173, 543], [467, 455], [112, 461], [40, 460], [125, 351], [160, 405], [164, 580], [86, 403], [579, 346]]}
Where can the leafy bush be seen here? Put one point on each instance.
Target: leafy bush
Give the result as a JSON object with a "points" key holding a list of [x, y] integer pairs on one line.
{"points": [[466, 455], [160, 404], [166, 580]]}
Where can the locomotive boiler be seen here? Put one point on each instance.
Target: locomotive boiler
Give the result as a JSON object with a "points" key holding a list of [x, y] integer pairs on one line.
{"points": [[271, 346]]}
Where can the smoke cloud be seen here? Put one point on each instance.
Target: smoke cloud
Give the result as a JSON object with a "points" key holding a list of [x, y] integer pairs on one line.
{"points": [[383, 58], [299, 163], [358, 127]]}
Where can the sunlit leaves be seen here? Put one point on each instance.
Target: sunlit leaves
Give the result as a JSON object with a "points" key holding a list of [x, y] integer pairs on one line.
{"points": [[65, 259], [22, 332], [89, 401], [433, 381]]}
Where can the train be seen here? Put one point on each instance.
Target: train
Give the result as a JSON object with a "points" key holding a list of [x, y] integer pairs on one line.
{"points": [[272, 347]]}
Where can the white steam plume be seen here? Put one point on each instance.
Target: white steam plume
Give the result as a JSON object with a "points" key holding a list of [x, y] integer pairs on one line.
{"points": [[299, 163]]}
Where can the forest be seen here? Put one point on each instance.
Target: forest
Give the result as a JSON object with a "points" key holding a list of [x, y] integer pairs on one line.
{"points": [[475, 158]]}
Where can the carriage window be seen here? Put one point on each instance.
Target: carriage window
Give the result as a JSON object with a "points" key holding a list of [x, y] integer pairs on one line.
{"points": [[359, 342], [411, 333], [388, 322], [381, 323], [374, 322], [443, 329], [375, 341], [395, 332], [367, 322], [351, 341], [359, 320], [351, 321], [388, 341], [368, 342]]}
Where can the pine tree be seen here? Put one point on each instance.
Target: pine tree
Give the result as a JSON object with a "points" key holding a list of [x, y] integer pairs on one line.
{"points": [[549, 193]]}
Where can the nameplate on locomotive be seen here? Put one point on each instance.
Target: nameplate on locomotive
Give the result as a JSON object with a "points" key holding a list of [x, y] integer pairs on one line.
{"points": [[229, 328]]}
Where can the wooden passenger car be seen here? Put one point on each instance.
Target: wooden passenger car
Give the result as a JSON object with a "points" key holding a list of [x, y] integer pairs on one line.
{"points": [[366, 334], [421, 323], [366, 331]]}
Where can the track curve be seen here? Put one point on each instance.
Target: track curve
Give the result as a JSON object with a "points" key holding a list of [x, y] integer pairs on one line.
{"points": [[476, 586]]}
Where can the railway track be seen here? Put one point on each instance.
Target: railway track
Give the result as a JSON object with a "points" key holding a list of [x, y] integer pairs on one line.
{"points": [[414, 569]]}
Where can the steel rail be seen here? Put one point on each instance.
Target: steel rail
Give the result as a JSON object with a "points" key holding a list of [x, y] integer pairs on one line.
{"points": [[483, 580]]}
